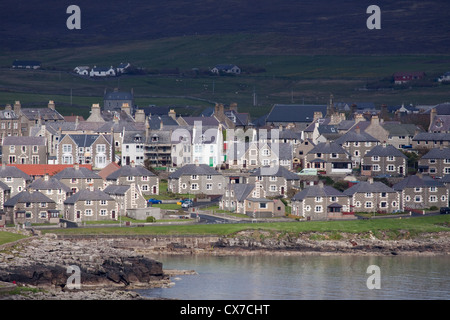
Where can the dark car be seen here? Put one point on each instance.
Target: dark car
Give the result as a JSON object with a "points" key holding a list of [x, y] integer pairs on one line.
{"points": [[154, 201], [444, 210]]}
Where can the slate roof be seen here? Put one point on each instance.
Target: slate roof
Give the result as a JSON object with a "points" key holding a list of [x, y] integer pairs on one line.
{"points": [[86, 194], [206, 121], [193, 169], [130, 171], [8, 115], [437, 153], [117, 95], [24, 141], [278, 171], [13, 172], [154, 121], [317, 191], [45, 114], [327, 148], [294, 113], [401, 129], [4, 186], [416, 181], [116, 189], [50, 184], [73, 173], [26, 196], [354, 136], [431, 136], [385, 151], [241, 190], [365, 186]]}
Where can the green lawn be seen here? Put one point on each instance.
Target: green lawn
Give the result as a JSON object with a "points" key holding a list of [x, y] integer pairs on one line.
{"points": [[393, 225], [6, 237]]}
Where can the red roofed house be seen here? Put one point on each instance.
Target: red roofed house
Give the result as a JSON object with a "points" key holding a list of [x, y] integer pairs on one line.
{"points": [[404, 77], [40, 170]]}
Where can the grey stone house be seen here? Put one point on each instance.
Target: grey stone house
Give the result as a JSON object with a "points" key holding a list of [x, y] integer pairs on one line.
{"points": [[52, 188], [273, 181], [25, 150], [79, 178], [234, 197], [435, 162], [430, 140], [5, 194], [9, 123], [32, 207], [357, 144], [329, 157], [144, 180], [373, 196], [87, 205], [196, 179], [319, 202], [384, 159], [420, 192], [127, 197], [14, 178]]}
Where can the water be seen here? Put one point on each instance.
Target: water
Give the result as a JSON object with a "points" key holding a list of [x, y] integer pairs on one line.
{"points": [[306, 277]]}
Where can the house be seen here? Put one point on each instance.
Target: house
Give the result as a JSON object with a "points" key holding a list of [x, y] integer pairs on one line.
{"points": [[144, 180], [264, 208], [31, 207], [26, 64], [445, 77], [25, 150], [357, 144], [420, 192], [123, 67], [300, 152], [9, 123], [329, 157], [320, 202], [384, 160], [293, 115], [127, 197], [114, 100], [226, 68], [439, 118], [133, 148], [82, 70], [234, 197], [430, 140], [435, 162], [196, 179], [14, 178], [95, 149], [102, 72], [90, 205], [36, 171], [207, 144], [273, 181], [52, 188], [79, 178], [158, 148], [404, 77], [5, 194], [373, 196]]}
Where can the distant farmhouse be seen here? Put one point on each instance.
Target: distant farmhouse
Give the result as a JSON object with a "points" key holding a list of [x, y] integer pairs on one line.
{"points": [[102, 71], [226, 68], [26, 64], [404, 77], [445, 77]]}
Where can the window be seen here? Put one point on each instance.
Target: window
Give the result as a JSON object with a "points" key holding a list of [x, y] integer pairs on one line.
{"points": [[209, 177], [262, 205], [273, 188], [333, 199], [433, 189], [43, 204], [67, 159], [67, 148], [383, 204], [368, 204], [130, 178], [35, 149], [308, 208], [144, 187], [183, 186], [418, 199], [88, 212], [318, 199], [318, 209], [194, 177], [43, 214], [391, 158], [194, 186], [12, 149], [103, 212], [390, 168], [375, 158], [103, 202], [101, 148], [209, 186], [376, 167], [369, 194], [88, 202], [433, 199]]}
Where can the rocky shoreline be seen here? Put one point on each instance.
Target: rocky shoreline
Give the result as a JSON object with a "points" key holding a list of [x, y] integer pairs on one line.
{"points": [[112, 267]]}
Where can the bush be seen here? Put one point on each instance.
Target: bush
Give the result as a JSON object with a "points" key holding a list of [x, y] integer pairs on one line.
{"points": [[150, 219]]}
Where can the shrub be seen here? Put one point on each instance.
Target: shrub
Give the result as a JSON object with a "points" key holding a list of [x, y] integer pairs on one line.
{"points": [[150, 219]]}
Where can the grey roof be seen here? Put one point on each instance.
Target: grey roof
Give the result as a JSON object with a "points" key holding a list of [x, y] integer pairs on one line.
{"points": [[130, 171], [416, 181], [294, 113], [78, 173], [24, 141], [27, 196], [365, 186], [86, 194], [206, 121], [4, 186], [86, 140], [117, 95], [317, 191], [8, 115], [155, 121], [194, 169], [45, 114], [327, 148], [50, 184], [401, 129], [354, 136], [121, 126], [161, 136], [437, 153], [241, 190], [385, 151], [133, 137], [431, 136], [277, 171], [116, 189], [13, 172]]}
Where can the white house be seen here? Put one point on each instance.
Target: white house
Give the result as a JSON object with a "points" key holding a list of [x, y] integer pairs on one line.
{"points": [[445, 77], [102, 72], [133, 148], [82, 70], [226, 68], [207, 145], [121, 68]]}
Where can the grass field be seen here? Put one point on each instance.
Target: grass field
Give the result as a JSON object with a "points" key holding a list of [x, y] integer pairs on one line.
{"points": [[412, 225], [6, 237]]}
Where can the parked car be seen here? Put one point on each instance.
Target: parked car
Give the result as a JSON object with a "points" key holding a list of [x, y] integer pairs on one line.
{"points": [[444, 210], [154, 201], [187, 203]]}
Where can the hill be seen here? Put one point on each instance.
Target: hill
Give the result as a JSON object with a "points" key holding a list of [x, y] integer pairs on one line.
{"points": [[302, 27]]}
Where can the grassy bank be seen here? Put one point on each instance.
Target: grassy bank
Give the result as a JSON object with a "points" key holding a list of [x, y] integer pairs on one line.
{"points": [[6, 237], [412, 225]]}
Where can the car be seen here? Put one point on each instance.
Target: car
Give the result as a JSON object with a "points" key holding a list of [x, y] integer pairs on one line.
{"points": [[154, 201], [444, 210], [187, 204]]}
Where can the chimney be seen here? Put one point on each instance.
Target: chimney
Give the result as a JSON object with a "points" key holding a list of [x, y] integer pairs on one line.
{"points": [[433, 114], [132, 164], [173, 114], [76, 166], [139, 116], [233, 106], [359, 117], [126, 108], [370, 180], [375, 120], [321, 185], [317, 115], [51, 105], [95, 110], [8, 107], [17, 107], [357, 130], [46, 177]]}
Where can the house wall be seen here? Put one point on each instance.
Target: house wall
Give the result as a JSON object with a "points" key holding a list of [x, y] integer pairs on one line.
{"points": [[274, 208], [396, 167], [111, 211], [22, 212], [391, 201], [424, 197], [316, 208], [213, 186]]}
